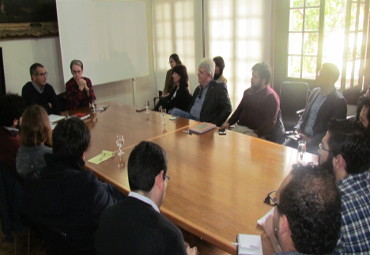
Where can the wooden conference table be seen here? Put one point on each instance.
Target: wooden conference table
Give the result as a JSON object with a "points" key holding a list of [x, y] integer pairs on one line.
{"points": [[218, 183]]}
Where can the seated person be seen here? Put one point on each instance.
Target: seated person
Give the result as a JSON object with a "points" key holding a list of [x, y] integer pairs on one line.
{"points": [[324, 103], [346, 148], [35, 133], [364, 115], [173, 60], [180, 96], [38, 91], [219, 69], [211, 102], [79, 90], [67, 198], [259, 110], [306, 218], [11, 109], [139, 227]]}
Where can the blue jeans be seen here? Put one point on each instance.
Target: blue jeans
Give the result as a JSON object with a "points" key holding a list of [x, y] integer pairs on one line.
{"points": [[180, 113]]}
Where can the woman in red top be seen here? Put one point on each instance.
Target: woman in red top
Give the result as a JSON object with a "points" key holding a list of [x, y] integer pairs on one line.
{"points": [[79, 89]]}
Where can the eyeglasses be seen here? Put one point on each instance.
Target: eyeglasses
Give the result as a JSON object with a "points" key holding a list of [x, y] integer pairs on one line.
{"points": [[321, 147], [43, 74], [271, 199], [167, 177]]}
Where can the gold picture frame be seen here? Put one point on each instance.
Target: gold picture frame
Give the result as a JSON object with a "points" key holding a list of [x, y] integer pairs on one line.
{"points": [[27, 19], [28, 30]]}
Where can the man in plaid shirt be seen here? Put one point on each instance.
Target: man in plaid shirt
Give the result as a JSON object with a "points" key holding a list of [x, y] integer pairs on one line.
{"points": [[346, 146]]}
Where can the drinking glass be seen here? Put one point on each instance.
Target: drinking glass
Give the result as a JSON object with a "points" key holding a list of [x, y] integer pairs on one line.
{"points": [[93, 107], [120, 141], [163, 117], [147, 107], [301, 149]]}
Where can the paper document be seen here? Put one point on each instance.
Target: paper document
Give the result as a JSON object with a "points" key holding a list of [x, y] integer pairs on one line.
{"points": [[55, 118], [263, 219], [101, 108], [103, 156], [249, 244]]}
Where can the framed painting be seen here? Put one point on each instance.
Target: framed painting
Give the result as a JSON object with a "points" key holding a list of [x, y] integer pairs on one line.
{"points": [[27, 18]]}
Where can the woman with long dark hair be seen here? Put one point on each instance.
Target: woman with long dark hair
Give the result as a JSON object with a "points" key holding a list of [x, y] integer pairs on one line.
{"points": [[180, 96]]}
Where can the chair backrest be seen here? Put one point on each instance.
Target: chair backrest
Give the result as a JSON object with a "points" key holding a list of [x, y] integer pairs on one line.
{"points": [[293, 97], [62, 98], [10, 199]]}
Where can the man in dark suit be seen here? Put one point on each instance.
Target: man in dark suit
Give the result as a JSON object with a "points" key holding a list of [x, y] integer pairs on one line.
{"points": [[211, 102], [38, 91], [324, 103], [135, 225]]}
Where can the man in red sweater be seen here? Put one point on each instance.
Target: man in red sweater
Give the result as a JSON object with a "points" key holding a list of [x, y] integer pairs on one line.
{"points": [[11, 109], [258, 113]]}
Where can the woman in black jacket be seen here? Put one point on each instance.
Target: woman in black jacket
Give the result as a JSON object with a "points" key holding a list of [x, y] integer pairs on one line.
{"points": [[179, 96]]}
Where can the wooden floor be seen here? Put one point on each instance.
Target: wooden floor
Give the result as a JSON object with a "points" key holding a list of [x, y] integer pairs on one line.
{"points": [[20, 245], [37, 246]]}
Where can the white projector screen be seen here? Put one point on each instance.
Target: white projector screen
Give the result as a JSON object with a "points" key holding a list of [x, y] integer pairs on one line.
{"points": [[109, 37]]}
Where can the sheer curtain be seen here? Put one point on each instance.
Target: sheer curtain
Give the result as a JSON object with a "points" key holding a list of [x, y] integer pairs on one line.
{"points": [[237, 30]]}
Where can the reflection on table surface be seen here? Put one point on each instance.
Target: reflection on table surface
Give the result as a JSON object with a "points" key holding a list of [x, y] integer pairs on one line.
{"points": [[218, 183]]}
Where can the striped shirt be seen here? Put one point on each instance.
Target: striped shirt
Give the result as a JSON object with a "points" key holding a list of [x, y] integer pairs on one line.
{"points": [[355, 230]]}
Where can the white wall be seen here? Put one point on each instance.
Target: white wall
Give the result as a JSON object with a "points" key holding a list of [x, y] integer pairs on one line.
{"points": [[19, 55]]}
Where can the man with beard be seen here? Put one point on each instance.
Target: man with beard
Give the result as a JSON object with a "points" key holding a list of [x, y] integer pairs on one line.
{"points": [[324, 103], [259, 110], [346, 148], [306, 218]]}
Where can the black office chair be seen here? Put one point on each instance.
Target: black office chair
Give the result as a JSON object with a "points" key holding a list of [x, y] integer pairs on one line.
{"points": [[62, 98], [156, 99], [293, 98], [278, 133]]}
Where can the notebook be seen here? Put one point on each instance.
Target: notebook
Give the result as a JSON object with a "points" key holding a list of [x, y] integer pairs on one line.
{"points": [[249, 244], [202, 127]]}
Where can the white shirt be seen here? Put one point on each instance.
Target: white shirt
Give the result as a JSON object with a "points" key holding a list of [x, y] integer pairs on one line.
{"points": [[144, 199]]}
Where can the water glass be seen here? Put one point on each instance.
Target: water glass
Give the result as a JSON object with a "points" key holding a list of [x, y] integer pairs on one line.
{"points": [[301, 149], [120, 141], [163, 117], [147, 107]]}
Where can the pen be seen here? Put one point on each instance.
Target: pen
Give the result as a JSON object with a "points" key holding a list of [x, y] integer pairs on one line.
{"points": [[246, 246], [102, 156]]}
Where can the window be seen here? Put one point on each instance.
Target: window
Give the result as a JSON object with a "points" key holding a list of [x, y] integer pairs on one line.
{"points": [[333, 31], [173, 25]]}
